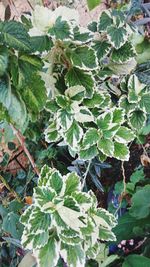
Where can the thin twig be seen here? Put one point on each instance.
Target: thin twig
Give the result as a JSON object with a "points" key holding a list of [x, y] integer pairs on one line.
{"points": [[21, 139], [10, 189], [124, 178], [86, 173], [124, 188]]}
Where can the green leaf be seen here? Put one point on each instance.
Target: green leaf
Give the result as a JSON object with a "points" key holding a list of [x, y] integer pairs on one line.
{"points": [[51, 106], [93, 3], [56, 181], [60, 30], [11, 225], [73, 255], [72, 183], [122, 68], [137, 176], [40, 43], [33, 93], [82, 35], [5, 91], [51, 133], [104, 121], [121, 151], [83, 115], [73, 135], [62, 101], [141, 203], [106, 146], [70, 237], [137, 119], [64, 119], [117, 36], [102, 49], [76, 76], [89, 153], [48, 255], [145, 102], [75, 93], [17, 111], [105, 234], [134, 88], [105, 21], [15, 35], [92, 26], [118, 116], [124, 104], [125, 228], [90, 137], [124, 135], [44, 195], [3, 60], [110, 133], [39, 221], [123, 54], [136, 261], [79, 60], [109, 260], [81, 197], [96, 100]]}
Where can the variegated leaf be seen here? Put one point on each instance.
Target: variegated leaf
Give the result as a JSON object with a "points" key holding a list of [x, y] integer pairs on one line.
{"points": [[79, 60], [117, 36], [121, 151], [73, 135]]}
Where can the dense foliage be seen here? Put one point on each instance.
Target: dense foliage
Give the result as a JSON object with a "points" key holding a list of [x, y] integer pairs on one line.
{"points": [[81, 101]]}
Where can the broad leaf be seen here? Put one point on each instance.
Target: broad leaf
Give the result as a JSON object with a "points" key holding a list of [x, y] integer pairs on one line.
{"points": [[118, 116], [76, 76], [136, 260], [102, 49], [105, 21], [82, 35], [137, 119], [73, 255], [49, 254], [145, 102], [52, 133], [90, 138], [89, 153], [15, 35], [117, 36], [124, 135], [141, 203], [60, 30], [134, 88], [3, 60], [74, 135], [123, 54], [93, 3], [43, 196], [75, 93], [79, 60], [72, 183], [121, 151], [5, 91], [104, 121], [64, 119], [106, 146]]}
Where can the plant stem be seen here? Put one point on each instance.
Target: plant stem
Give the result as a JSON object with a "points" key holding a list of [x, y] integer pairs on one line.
{"points": [[10, 189], [86, 173], [124, 188], [21, 139], [124, 178]]}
